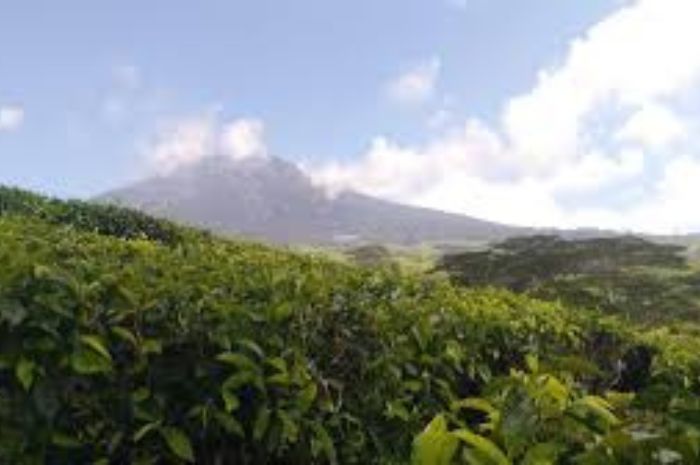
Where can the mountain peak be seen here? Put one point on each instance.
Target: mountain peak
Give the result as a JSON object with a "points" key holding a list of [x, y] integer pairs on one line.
{"points": [[273, 199]]}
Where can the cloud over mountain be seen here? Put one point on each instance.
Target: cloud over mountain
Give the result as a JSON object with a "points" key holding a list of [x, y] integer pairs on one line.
{"points": [[189, 140], [603, 137]]}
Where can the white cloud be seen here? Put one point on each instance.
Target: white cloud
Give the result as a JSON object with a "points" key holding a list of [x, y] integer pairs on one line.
{"points": [[183, 142], [11, 117], [401, 173], [645, 51], [653, 126], [417, 85], [244, 138], [189, 140], [574, 150]]}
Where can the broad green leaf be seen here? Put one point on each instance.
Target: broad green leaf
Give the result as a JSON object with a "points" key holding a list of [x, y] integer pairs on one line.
{"points": [[435, 445], [598, 407], [487, 452], [87, 361], [240, 361], [229, 424], [277, 363], [532, 363], [473, 403], [126, 335], [262, 422], [178, 443], [231, 401], [239, 379], [96, 344]]}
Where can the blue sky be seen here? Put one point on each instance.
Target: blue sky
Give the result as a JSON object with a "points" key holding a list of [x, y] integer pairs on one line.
{"points": [[94, 94]]}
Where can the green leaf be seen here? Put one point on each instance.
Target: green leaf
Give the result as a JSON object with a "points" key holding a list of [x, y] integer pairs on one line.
{"points": [[237, 380], [543, 454], [151, 346], [24, 371], [322, 442], [145, 430], [532, 363], [229, 424], [231, 401], [65, 441], [240, 361], [597, 407], [435, 445], [87, 362], [253, 347], [262, 422], [486, 452], [96, 344], [125, 335], [140, 394], [277, 363], [179, 443], [396, 409], [290, 430], [473, 403], [307, 396]]}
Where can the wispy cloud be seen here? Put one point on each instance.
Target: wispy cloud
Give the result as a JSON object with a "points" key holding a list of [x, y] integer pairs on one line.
{"points": [[415, 85], [11, 117]]}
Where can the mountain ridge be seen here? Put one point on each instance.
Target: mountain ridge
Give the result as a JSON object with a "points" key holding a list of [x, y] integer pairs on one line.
{"points": [[273, 199]]}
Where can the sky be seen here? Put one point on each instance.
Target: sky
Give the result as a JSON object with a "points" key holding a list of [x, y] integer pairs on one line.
{"points": [[531, 112]]}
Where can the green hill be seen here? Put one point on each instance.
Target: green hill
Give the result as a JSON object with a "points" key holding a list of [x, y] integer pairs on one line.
{"points": [[636, 278], [126, 339]]}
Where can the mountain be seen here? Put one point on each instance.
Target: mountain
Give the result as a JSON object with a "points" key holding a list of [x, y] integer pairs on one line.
{"points": [[273, 199]]}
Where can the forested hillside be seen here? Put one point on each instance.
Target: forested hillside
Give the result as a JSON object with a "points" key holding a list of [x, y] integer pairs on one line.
{"points": [[125, 339], [632, 277]]}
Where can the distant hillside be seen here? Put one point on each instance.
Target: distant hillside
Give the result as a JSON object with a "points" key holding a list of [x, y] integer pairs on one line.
{"points": [[642, 280], [273, 199]]}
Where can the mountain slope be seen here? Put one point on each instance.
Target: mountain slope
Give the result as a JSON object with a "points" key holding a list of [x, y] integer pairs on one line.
{"points": [[274, 200]]}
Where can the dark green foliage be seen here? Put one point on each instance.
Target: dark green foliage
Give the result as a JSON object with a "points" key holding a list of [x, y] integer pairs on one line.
{"points": [[102, 219], [634, 277]]}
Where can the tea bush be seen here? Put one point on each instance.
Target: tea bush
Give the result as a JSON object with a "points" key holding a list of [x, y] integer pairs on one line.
{"points": [[211, 351], [103, 219]]}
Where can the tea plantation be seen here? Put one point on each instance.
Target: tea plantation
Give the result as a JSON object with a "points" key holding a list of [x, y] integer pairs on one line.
{"points": [[128, 340]]}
